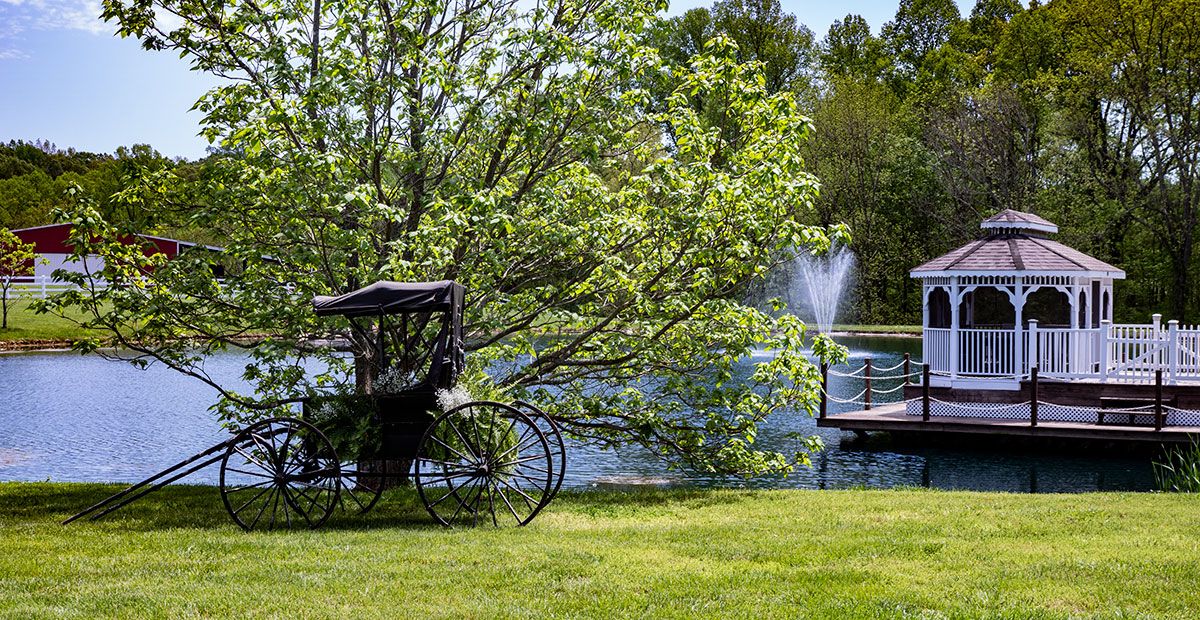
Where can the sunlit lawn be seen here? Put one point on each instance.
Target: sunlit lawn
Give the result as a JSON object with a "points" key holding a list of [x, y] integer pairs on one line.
{"points": [[679, 554], [24, 325]]}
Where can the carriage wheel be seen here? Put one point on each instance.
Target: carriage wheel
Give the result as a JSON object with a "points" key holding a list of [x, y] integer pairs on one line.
{"points": [[484, 461], [558, 447], [280, 472], [360, 491]]}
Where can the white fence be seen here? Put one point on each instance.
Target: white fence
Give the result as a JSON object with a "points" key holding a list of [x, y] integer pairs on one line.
{"points": [[1132, 353], [34, 287]]}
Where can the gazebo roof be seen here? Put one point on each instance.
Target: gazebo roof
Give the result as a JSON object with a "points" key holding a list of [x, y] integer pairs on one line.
{"points": [[1016, 245], [1009, 219]]}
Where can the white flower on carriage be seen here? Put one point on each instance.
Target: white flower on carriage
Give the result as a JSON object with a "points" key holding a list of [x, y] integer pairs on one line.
{"points": [[454, 397], [392, 381]]}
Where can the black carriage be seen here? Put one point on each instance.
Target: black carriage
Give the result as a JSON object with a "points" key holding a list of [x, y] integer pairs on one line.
{"points": [[471, 462]]}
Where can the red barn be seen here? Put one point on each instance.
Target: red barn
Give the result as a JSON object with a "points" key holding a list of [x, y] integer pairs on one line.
{"points": [[53, 244]]}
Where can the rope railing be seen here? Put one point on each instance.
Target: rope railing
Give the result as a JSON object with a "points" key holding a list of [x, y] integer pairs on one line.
{"points": [[1158, 410], [867, 374], [853, 400], [982, 407], [879, 391], [906, 361]]}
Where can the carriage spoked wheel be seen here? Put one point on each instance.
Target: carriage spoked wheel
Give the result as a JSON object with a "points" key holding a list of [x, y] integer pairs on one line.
{"points": [[360, 490], [484, 462], [558, 447], [280, 472]]}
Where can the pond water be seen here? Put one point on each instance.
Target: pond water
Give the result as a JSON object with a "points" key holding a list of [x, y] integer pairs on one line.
{"points": [[66, 417]]}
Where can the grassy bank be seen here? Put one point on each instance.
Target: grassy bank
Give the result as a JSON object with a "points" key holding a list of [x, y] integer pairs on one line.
{"points": [[27, 327], [878, 329], [683, 554]]}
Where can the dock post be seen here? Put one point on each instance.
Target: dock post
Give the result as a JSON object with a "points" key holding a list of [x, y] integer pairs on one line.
{"points": [[1158, 410], [925, 393], [1033, 395], [907, 368], [867, 392], [824, 386]]}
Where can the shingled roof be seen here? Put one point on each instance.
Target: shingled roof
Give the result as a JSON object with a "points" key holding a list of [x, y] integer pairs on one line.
{"points": [[1018, 220], [1016, 243]]}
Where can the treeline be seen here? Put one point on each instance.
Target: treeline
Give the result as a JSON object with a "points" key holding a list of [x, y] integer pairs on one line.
{"points": [[1086, 112], [35, 177]]}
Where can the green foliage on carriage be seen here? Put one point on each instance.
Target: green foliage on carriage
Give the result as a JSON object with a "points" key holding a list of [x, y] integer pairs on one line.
{"points": [[351, 422]]}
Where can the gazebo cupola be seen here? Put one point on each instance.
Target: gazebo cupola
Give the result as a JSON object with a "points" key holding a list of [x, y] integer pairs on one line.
{"points": [[980, 301]]}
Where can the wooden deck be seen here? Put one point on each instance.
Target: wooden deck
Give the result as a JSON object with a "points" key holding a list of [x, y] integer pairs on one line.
{"points": [[892, 418]]}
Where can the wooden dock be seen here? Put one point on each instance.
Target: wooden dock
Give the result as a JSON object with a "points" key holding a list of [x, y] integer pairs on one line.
{"points": [[892, 418]]}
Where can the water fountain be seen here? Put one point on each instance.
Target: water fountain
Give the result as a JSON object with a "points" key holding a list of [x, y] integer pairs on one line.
{"points": [[823, 278]]}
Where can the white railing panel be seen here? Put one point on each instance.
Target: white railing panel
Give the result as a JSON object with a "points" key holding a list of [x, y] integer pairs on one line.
{"points": [[1067, 353], [1188, 351], [986, 352], [1135, 352], [936, 349]]}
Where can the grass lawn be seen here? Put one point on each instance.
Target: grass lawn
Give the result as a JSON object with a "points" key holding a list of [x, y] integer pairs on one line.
{"points": [[676, 554], [24, 325], [878, 329]]}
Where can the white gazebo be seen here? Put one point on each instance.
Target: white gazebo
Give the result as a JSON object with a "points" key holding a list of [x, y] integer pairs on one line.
{"points": [[1015, 299]]}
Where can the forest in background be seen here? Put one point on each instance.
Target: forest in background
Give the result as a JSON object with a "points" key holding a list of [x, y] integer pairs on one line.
{"points": [[1083, 112]]}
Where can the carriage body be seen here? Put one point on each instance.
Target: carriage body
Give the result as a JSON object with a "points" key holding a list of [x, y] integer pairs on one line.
{"points": [[509, 455]]}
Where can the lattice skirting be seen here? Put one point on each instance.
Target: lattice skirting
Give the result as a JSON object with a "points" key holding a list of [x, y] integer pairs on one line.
{"points": [[1046, 411]]}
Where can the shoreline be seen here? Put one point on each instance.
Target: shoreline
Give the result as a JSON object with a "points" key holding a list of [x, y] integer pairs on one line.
{"points": [[46, 345]]}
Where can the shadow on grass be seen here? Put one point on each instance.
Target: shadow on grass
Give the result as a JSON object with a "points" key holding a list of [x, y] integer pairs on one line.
{"points": [[200, 507]]}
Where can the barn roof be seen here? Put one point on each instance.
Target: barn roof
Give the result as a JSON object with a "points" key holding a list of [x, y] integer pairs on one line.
{"points": [[1016, 244]]}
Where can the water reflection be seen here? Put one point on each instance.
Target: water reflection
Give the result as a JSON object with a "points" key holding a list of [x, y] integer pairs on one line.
{"points": [[65, 417]]}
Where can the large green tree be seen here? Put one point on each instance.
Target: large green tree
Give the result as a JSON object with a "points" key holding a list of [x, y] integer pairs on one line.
{"points": [[1130, 93], [506, 149]]}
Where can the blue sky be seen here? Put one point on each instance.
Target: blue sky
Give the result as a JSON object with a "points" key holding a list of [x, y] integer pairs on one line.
{"points": [[65, 77]]}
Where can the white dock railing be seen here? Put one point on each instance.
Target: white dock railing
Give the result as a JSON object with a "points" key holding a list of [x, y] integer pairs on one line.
{"points": [[1121, 352]]}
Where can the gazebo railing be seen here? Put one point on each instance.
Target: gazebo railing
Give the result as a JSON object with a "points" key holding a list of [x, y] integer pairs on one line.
{"points": [[987, 352], [1063, 352], [936, 348], [1120, 352]]}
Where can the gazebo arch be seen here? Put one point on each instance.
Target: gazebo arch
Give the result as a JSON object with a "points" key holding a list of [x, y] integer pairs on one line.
{"points": [[1042, 280]]}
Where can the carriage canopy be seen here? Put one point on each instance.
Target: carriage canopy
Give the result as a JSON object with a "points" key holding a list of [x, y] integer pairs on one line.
{"points": [[393, 298], [405, 344]]}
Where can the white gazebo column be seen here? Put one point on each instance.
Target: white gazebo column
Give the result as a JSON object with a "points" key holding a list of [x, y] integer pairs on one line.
{"points": [[925, 290], [1018, 302], [954, 303], [1073, 293], [1087, 305]]}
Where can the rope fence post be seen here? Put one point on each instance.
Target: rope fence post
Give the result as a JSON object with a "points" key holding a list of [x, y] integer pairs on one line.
{"points": [[925, 393], [907, 368], [1158, 408], [867, 374], [824, 386], [1033, 395]]}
